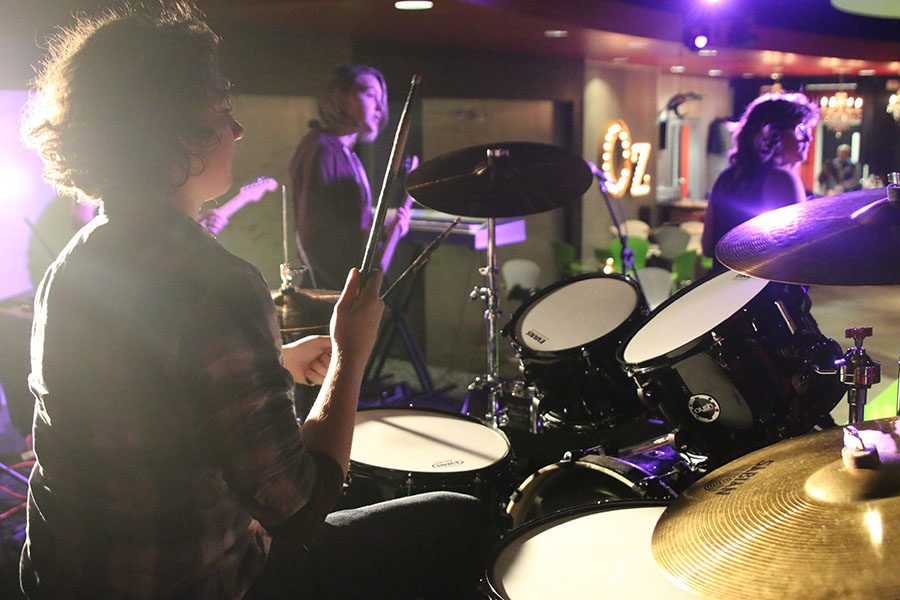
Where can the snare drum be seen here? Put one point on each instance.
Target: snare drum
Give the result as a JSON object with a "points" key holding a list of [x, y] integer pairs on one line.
{"points": [[403, 451], [565, 338], [657, 472], [588, 552], [735, 363]]}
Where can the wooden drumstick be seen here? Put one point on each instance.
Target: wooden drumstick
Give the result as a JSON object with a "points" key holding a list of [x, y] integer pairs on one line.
{"points": [[393, 168], [423, 257]]}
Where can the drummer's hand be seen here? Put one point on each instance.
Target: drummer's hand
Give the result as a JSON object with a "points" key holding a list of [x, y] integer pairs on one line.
{"points": [[357, 314], [308, 358]]}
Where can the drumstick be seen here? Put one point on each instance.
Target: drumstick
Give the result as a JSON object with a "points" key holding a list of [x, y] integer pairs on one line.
{"points": [[389, 176], [423, 257]]}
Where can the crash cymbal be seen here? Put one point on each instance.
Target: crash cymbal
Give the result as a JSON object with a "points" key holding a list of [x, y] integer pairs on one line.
{"points": [[792, 520], [848, 239], [519, 178], [304, 311]]}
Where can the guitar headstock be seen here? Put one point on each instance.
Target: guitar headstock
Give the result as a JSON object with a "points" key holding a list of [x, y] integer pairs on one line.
{"points": [[252, 192]]}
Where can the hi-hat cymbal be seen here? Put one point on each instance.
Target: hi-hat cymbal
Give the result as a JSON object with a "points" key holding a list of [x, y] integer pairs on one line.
{"points": [[790, 521], [517, 179], [848, 239], [304, 311]]}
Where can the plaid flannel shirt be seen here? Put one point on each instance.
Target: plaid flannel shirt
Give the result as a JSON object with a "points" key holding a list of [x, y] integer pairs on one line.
{"points": [[164, 428]]}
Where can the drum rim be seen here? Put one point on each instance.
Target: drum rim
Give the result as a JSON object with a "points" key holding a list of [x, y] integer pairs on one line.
{"points": [[668, 358], [367, 469], [640, 307], [602, 463], [489, 578]]}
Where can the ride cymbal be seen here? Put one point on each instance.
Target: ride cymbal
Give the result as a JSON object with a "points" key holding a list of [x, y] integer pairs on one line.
{"points": [[848, 239], [790, 521], [506, 179]]}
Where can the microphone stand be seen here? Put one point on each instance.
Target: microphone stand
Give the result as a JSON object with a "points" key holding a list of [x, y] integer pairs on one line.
{"points": [[627, 255]]}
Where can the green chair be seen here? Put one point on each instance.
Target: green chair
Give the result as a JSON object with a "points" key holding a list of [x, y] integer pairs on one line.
{"points": [[684, 268], [564, 258], [639, 246]]}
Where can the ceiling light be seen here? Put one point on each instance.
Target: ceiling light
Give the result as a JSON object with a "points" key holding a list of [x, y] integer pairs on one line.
{"points": [[556, 33], [620, 59], [714, 72], [708, 52], [697, 34], [638, 44], [840, 111], [893, 106], [677, 69], [866, 72], [413, 4], [748, 75]]}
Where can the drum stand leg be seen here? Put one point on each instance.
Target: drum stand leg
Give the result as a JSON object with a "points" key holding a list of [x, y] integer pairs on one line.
{"points": [[859, 372], [490, 381]]}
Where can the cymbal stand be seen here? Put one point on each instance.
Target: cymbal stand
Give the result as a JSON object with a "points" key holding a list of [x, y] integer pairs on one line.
{"points": [[627, 256], [490, 381], [859, 372], [898, 388]]}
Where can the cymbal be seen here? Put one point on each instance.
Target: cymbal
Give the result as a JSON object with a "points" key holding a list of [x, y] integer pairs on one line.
{"points": [[790, 521], [848, 239], [305, 311], [521, 178]]}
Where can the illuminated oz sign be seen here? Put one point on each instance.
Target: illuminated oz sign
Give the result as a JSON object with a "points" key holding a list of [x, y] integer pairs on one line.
{"points": [[624, 161]]}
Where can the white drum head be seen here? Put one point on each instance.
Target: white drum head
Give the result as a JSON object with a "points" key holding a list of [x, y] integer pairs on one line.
{"points": [[575, 314], [692, 315], [422, 442], [604, 554]]}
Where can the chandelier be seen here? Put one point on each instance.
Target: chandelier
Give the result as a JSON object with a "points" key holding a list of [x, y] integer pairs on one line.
{"points": [[893, 105], [840, 111]]}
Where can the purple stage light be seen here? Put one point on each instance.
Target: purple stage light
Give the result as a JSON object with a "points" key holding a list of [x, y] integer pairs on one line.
{"points": [[23, 197], [700, 41]]}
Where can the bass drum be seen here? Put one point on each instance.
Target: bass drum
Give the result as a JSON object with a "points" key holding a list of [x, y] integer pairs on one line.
{"points": [[566, 337], [657, 473], [588, 552]]}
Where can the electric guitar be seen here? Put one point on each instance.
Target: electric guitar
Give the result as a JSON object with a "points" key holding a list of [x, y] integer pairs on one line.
{"points": [[252, 192]]}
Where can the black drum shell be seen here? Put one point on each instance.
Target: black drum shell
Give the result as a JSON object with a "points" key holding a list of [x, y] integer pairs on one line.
{"points": [[584, 384], [781, 383]]}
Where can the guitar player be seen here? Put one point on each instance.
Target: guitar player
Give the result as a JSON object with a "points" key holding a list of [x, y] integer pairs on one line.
{"points": [[332, 196]]}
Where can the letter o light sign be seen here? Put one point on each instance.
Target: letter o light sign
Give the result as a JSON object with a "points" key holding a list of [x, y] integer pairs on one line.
{"points": [[623, 161]]}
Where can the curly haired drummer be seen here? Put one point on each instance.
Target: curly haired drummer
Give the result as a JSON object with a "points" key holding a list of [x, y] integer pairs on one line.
{"points": [[169, 459]]}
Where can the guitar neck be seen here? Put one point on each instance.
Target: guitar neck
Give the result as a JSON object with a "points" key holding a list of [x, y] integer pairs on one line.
{"points": [[235, 204], [392, 239]]}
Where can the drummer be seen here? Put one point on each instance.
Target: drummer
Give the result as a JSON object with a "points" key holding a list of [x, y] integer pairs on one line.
{"points": [[772, 139], [169, 460]]}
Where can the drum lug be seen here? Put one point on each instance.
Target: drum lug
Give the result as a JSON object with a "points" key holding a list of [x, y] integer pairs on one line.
{"points": [[800, 382], [408, 484]]}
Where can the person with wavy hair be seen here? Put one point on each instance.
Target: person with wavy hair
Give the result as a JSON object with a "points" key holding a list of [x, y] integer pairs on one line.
{"points": [[331, 190], [169, 459], [769, 143]]}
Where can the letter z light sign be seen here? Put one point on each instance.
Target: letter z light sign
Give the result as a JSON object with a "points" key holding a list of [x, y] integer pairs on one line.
{"points": [[624, 162]]}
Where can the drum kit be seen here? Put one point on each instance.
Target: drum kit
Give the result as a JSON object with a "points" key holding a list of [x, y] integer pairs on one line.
{"points": [[751, 492]]}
